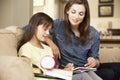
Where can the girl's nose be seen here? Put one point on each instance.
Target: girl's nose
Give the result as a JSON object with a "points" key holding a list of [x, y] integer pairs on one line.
{"points": [[47, 32]]}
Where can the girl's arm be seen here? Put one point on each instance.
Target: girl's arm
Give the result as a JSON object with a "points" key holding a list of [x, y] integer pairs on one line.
{"points": [[35, 69]]}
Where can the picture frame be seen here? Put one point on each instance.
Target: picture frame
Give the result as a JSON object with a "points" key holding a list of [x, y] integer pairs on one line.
{"points": [[106, 1], [105, 10]]}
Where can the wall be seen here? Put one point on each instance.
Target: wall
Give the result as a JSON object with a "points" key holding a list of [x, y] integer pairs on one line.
{"points": [[61, 9], [18, 12], [15, 12], [5, 12], [102, 23], [50, 7]]}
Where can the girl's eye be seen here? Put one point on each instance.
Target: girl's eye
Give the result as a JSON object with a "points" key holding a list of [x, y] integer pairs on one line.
{"points": [[45, 28]]}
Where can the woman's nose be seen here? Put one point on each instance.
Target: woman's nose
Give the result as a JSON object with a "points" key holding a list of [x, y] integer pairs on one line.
{"points": [[76, 16]]}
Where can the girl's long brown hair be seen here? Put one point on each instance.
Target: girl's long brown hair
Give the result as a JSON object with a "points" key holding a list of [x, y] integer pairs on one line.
{"points": [[36, 20], [83, 27]]}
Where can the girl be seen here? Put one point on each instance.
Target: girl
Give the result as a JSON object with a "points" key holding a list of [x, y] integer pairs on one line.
{"points": [[31, 47]]}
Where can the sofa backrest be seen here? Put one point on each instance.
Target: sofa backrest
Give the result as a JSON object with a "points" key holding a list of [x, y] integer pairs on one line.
{"points": [[8, 40], [108, 55]]}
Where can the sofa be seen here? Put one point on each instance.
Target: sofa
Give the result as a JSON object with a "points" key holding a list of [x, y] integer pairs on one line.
{"points": [[109, 55], [8, 42], [11, 66], [109, 68]]}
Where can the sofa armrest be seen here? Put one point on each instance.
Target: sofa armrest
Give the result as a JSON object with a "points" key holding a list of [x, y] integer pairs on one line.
{"points": [[14, 68]]}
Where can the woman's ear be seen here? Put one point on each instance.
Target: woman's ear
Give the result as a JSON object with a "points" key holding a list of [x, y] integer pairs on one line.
{"points": [[67, 12]]}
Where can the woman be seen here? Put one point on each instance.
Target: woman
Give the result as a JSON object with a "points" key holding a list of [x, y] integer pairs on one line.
{"points": [[77, 40]]}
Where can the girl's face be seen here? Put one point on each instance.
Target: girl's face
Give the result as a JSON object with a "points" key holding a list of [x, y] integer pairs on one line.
{"points": [[42, 32], [76, 14]]}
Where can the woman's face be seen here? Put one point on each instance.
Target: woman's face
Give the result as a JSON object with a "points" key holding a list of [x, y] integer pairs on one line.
{"points": [[76, 14], [42, 32]]}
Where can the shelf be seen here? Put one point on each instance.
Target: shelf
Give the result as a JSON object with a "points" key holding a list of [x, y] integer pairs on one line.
{"points": [[114, 31], [110, 41]]}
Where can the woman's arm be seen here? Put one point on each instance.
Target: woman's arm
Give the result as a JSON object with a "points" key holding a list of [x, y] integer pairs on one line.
{"points": [[93, 56], [54, 48]]}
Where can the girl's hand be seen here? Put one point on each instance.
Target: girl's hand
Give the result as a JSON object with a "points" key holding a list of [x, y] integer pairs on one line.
{"points": [[92, 62], [69, 67]]}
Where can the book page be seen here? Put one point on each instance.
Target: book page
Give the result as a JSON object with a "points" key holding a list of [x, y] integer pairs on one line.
{"points": [[83, 69], [60, 73]]}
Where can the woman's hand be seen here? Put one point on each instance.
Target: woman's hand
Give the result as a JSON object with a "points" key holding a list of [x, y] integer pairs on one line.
{"points": [[69, 67], [92, 62]]}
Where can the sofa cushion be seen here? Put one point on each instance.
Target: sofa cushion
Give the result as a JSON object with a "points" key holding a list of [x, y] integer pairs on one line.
{"points": [[14, 68], [16, 30], [109, 55]]}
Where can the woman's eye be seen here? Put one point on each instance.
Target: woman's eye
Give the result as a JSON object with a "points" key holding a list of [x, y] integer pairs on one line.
{"points": [[82, 14], [73, 12]]}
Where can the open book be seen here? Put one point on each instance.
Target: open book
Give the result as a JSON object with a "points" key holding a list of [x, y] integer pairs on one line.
{"points": [[60, 73], [83, 69]]}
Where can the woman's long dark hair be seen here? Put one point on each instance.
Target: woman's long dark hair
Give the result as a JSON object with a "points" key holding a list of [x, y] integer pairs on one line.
{"points": [[36, 20], [83, 27]]}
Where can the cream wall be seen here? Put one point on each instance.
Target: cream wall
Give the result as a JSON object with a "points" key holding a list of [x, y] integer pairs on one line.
{"points": [[102, 23], [18, 12], [15, 12], [5, 12], [50, 7]]}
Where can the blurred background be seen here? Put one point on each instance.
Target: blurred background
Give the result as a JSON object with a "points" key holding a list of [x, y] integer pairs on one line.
{"points": [[105, 15]]}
